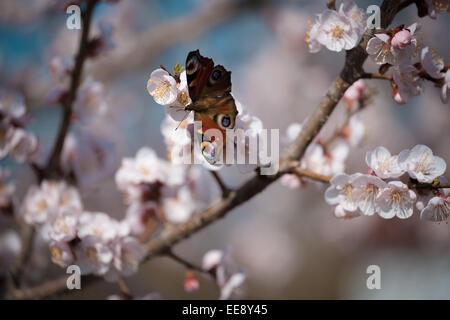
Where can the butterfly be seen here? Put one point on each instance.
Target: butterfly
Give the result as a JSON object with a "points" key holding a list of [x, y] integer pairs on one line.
{"points": [[213, 105]]}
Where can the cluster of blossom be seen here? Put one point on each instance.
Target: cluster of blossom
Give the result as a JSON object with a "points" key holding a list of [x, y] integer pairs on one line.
{"points": [[383, 192], [337, 30], [156, 189], [94, 241], [219, 264], [21, 145], [329, 158], [400, 49], [7, 190]]}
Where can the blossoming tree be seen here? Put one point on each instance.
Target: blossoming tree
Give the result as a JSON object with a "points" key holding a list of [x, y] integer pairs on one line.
{"points": [[165, 202]]}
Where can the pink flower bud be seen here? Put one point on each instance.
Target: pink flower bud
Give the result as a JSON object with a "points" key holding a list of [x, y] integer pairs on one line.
{"points": [[191, 283], [401, 39]]}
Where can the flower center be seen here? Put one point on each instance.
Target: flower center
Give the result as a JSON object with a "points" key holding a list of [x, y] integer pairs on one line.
{"points": [[396, 197], [162, 90], [183, 98], [56, 254], [337, 32], [423, 165], [42, 205], [92, 254]]}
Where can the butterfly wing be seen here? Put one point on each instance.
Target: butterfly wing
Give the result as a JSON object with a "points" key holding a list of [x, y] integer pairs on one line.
{"points": [[210, 91]]}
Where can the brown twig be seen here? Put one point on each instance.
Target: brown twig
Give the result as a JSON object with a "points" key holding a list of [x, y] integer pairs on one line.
{"points": [[376, 76], [430, 186], [55, 155], [27, 237], [309, 174], [331, 4], [225, 190], [188, 265], [126, 293]]}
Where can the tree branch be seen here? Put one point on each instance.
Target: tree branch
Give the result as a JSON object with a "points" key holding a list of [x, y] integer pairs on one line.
{"points": [[54, 160]]}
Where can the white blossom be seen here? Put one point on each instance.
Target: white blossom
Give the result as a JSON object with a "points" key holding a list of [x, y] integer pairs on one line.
{"points": [[437, 209], [292, 132], [101, 226], [221, 266], [58, 68], [341, 213], [356, 15], [22, 145], [379, 49], [420, 164], [291, 181], [354, 94], [408, 81], [128, 253], [94, 255], [326, 163], [366, 189], [212, 259], [432, 63], [445, 87], [90, 100], [356, 131], [311, 36], [396, 200], [335, 31], [61, 253], [235, 281], [399, 49], [250, 128], [383, 164], [147, 168], [45, 202], [341, 192], [176, 109], [179, 209], [162, 87], [63, 227], [12, 104], [177, 136], [90, 158]]}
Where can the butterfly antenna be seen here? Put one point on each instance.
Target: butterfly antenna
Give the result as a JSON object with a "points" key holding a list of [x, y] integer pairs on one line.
{"points": [[185, 116]]}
